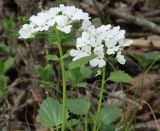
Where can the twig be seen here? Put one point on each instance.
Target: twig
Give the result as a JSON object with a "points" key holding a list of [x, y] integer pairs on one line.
{"points": [[119, 98], [152, 13], [153, 44], [28, 45], [156, 122], [149, 125], [134, 19], [125, 99], [154, 19]]}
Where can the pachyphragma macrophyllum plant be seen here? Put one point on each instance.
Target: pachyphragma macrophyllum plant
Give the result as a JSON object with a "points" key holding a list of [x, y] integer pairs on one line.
{"points": [[102, 42]]}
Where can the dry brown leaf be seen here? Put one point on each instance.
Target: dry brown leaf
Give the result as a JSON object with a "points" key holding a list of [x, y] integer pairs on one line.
{"points": [[147, 81]]}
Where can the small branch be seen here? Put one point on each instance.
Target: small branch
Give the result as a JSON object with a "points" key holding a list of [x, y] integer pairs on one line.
{"points": [[142, 43], [133, 102], [147, 125], [156, 122], [134, 19], [154, 19], [125, 99], [152, 13]]}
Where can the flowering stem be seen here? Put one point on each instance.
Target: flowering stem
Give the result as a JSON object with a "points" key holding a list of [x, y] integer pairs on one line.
{"points": [[63, 81], [100, 97]]}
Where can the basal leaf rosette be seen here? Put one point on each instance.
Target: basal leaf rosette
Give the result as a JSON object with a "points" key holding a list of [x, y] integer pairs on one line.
{"points": [[61, 17]]}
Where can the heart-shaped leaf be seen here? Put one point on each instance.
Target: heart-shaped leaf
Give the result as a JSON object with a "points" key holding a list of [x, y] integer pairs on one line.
{"points": [[120, 76], [50, 112], [78, 106], [108, 115]]}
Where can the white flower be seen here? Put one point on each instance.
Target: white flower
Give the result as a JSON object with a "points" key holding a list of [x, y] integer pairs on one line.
{"points": [[61, 20], [80, 15], [83, 40], [40, 19], [112, 50], [99, 72], [86, 24], [54, 12], [51, 22], [97, 62], [74, 13], [120, 58], [42, 28], [103, 29], [80, 53], [68, 11], [62, 17], [26, 31], [62, 23], [104, 41], [113, 36]]}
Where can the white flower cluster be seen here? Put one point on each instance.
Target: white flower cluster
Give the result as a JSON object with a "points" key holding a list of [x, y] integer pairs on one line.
{"points": [[101, 41], [62, 17]]}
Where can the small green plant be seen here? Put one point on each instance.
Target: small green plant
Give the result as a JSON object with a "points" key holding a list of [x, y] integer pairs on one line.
{"points": [[146, 60], [9, 28], [92, 46], [46, 76], [4, 66]]}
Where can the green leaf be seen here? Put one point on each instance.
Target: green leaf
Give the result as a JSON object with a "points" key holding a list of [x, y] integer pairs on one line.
{"points": [[107, 128], [77, 75], [51, 37], [46, 76], [81, 84], [108, 115], [147, 59], [97, 21], [81, 62], [68, 39], [50, 112], [85, 72], [52, 58], [72, 76], [3, 83], [66, 55], [4, 48], [120, 76], [78, 106], [9, 28], [142, 60], [1, 67], [155, 55], [8, 63], [46, 73], [72, 122], [23, 20]]}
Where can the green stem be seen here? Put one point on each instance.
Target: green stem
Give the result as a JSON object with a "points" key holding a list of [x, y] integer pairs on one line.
{"points": [[31, 51], [63, 81], [100, 97], [86, 123], [64, 88]]}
